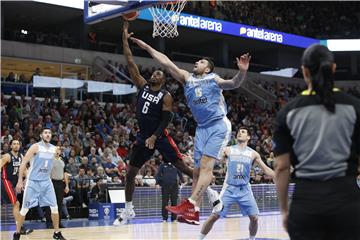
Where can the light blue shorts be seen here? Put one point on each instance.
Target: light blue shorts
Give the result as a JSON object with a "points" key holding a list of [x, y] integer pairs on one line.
{"points": [[242, 195], [211, 140], [40, 193]]}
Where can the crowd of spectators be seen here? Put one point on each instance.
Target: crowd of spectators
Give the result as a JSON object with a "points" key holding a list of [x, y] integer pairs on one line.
{"points": [[286, 92], [335, 20]]}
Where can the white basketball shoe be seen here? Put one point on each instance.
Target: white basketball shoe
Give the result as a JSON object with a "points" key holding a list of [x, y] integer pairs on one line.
{"points": [[215, 200], [125, 216]]}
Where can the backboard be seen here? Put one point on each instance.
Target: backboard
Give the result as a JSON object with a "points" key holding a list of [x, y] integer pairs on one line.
{"points": [[99, 10]]}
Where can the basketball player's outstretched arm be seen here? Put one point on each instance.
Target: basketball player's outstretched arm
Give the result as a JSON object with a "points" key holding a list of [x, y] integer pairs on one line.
{"points": [[268, 171], [135, 75], [179, 74], [235, 82], [29, 154]]}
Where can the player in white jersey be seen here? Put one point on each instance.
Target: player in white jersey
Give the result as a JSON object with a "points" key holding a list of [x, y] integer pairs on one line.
{"points": [[203, 92], [38, 188], [237, 189]]}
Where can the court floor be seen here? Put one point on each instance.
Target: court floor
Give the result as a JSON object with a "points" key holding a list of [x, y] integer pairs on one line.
{"points": [[229, 228]]}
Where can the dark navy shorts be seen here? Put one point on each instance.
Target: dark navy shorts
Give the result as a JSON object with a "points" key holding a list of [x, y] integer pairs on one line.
{"points": [[165, 145]]}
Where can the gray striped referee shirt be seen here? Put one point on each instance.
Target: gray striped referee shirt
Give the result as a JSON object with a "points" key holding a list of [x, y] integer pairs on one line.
{"points": [[322, 145], [57, 172]]}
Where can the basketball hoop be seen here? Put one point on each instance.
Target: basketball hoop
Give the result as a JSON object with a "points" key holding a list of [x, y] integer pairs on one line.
{"points": [[166, 16]]}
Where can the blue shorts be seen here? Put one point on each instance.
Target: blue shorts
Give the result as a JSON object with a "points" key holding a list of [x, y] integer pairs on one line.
{"points": [[211, 140], [242, 195], [40, 193]]}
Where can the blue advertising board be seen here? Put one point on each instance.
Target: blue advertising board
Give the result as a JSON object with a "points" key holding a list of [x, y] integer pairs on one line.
{"points": [[108, 11], [238, 30], [106, 211]]}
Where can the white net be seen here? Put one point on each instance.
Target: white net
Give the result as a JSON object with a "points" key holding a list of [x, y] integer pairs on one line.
{"points": [[166, 16]]}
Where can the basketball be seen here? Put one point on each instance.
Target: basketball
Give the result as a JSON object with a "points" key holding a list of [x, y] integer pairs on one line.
{"points": [[131, 16]]}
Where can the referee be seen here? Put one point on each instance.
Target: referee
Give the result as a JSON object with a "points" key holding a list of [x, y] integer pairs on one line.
{"points": [[318, 133], [60, 182], [167, 178]]}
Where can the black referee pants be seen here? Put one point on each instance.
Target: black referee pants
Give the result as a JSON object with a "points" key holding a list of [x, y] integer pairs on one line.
{"points": [[59, 187], [328, 210], [169, 192]]}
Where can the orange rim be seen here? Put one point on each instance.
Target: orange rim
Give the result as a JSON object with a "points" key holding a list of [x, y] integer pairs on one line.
{"points": [[174, 2]]}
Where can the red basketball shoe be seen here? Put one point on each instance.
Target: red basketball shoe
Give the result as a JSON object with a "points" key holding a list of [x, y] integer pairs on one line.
{"points": [[190, 217], [180, 209]]}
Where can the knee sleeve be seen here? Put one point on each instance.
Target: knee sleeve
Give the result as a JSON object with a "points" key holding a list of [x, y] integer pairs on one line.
{"points": [[54, 210], [23, 211]]}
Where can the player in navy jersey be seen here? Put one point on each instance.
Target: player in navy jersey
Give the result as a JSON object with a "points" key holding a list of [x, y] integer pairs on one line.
{"points": [[203, 92], [237, 189], [10, 164], [153, 112]]}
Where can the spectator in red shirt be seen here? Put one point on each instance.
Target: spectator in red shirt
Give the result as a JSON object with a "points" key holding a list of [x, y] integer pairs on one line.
{"points": [[123, 150], [122, 166]]}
